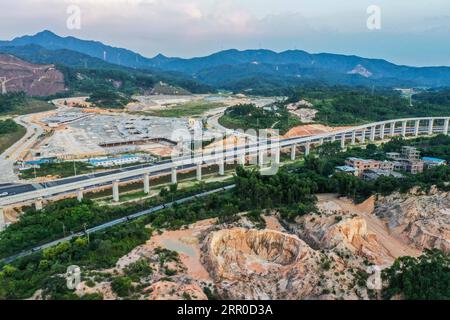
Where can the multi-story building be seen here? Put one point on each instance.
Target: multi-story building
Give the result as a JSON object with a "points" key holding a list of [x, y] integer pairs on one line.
{"points": [[414, 167], [362, 165], [408, 160], [387, 165], [410, 153], [393, 155]]}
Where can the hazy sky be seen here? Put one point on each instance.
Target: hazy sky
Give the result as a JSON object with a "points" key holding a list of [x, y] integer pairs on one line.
{"points": [[415, 32]]}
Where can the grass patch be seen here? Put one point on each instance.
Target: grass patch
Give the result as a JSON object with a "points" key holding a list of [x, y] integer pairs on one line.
{"points": [[66, 169], [63, 170], [34, 106], [248, 116], [8, 139]]}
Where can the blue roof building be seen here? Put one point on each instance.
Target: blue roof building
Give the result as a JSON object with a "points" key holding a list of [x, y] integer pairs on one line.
{"points": [[432, 162], [39, 162], [110, 162]]}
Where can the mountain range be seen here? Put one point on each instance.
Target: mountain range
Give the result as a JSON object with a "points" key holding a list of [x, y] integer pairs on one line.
{"points": [[230, 69]]}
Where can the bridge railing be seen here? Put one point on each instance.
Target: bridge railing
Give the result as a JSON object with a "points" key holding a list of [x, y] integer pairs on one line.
{"points": [[86, 181]]}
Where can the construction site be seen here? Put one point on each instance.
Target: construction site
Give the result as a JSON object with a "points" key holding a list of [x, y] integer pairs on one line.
{"points": [[76, 134], [85, 132]]}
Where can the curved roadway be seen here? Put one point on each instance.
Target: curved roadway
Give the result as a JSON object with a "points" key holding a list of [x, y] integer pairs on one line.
{"points": [[369, 132]]}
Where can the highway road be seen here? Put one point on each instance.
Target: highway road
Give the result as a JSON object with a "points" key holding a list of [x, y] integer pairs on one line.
{"points": [[116, 222], [19, 193], [10, 156]]}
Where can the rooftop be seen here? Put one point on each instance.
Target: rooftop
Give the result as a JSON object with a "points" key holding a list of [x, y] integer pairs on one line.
{"points": [[431, 159], [345, 168]]}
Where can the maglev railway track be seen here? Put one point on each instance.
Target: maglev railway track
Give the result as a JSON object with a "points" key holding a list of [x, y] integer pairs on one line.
{"points": [[116, 222], [22, 193]]}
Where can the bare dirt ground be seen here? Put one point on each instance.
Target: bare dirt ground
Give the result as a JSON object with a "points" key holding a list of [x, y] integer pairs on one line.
{"points": [[186, 243], [396, 246], [75, 142], [71, 102], [11, 215], [157, 149], [160, 102], [272, 223], [34, 79], [311, 129]]}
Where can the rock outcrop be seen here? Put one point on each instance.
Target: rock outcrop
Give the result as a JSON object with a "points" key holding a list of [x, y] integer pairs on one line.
{"points": [[267, 264], [343, 232], [422, 218], [322, 255]]}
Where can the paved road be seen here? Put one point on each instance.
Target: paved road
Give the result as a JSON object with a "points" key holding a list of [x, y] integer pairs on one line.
{"points": [[10, 156], [89, 181], [15, 189], [213, 122], [116, 222]]}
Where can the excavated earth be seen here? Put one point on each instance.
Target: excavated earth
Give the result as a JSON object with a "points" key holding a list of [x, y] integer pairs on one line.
{"points": [[36, 80], [323, 255], [422, 218]]}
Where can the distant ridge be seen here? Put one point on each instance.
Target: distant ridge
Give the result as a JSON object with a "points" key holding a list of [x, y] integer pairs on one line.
{"points": [[231, 68]]}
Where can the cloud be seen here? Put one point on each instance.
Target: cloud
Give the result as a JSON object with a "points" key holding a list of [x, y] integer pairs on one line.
{"points": [[198, 27]]}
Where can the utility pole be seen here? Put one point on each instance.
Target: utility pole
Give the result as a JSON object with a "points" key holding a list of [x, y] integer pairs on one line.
{"points": [[87, 234], [64, 229], [74, 168]]}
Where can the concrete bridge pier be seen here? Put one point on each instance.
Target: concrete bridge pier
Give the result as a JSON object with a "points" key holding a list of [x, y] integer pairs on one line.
{"points": [[343, 141], [372, 133], [382, 128], [277, 152], [333, 139], [261, 158], [115, 188], [2, 220], [307, 149], [241, 159], [80, 194], [363, 136], [222, 167], [321, 141], [38, 204], [404, 124], [199, 172], [446, 126], [353, 138], [392, 129], [416, 128], [146, 183], [253, 158], [174, 175], [293, 151], [430, 127]]}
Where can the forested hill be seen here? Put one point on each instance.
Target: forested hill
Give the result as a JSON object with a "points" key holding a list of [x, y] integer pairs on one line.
{"points": [[343, 105], [80, 74], [244, 70]]}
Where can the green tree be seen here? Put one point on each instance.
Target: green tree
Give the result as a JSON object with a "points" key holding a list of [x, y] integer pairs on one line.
{"points": [[424, 278]]}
